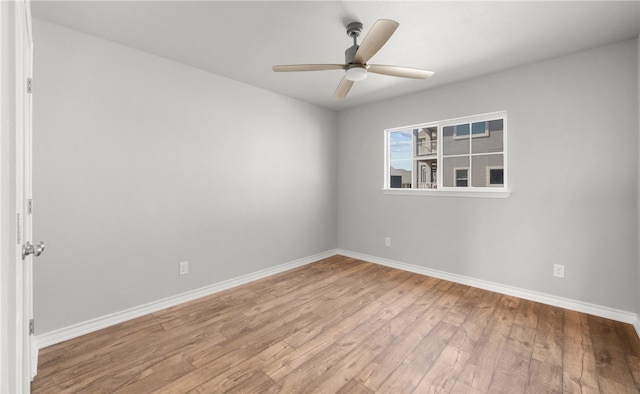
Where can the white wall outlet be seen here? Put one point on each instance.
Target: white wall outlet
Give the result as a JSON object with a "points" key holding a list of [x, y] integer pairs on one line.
{"points": [[558, 270], [183, 267], [387, 241]]}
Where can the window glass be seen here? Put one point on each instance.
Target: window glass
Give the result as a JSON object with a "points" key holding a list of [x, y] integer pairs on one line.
{"points": [[426, 141], [452, 141], [449, 167], [462, 130], [401, 159], [400, 145], [478, 128], [490, 142], [427, 174], [481, 170]]}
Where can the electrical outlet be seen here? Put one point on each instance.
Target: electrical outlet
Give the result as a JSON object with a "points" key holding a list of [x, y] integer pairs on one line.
{"points": [[183, 267], [558, 270], [387, 241]]}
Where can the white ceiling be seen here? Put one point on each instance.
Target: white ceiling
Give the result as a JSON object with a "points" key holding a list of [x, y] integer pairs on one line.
{"points": [[242, 40]]}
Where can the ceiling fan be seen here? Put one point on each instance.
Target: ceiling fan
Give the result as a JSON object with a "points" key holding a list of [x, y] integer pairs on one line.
{"points": [[357, 56]]}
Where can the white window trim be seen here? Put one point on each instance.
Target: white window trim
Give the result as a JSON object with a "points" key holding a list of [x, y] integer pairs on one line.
{"points": [[448, 192], [470, 191]]}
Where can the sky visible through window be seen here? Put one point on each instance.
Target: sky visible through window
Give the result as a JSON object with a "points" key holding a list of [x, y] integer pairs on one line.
{"points": [[401, 153]]}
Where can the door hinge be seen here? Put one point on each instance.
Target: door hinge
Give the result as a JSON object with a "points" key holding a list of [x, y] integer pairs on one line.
{"points": [[29, 85], [31, 327], [19, 230], [30, 206]]}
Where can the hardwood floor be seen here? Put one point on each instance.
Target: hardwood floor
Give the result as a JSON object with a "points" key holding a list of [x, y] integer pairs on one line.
{"points": [[346, 326]]}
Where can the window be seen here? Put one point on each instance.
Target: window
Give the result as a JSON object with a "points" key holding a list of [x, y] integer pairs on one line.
{"points": [[495, 176], [462, 177], [464, 154]]}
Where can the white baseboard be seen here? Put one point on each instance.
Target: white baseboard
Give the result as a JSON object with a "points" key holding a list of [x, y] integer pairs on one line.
{"points": [[76, 330], [579, 306]]}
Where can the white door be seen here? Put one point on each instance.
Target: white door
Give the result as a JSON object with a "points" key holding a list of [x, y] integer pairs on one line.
{"points": [[17, 359], [24, 200]]}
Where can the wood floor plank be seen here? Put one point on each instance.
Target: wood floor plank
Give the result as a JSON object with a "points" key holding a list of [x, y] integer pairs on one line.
{"points": [[459, 312], [612, 365], [347, 326], [610, 353], [468, 335], [257, 382], [443, 374], [196, 312], [548, 341], [513, 365], [479, 370], [347, 356], [353, 387], [122, 333], [126, 360], [634, 366], [544, 377], [331, 331], [310, 289], [579, 373], [528, 314], [252, 342], [156, 379], [410, 372], [576, 327], [378, 370], [226, 361], [319, 343], [317, 363], [228, 379]]}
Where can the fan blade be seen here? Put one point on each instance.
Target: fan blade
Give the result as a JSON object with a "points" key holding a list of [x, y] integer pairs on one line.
{"points": [[397, 71], [308, 67], [379, 34], [343, 89]]}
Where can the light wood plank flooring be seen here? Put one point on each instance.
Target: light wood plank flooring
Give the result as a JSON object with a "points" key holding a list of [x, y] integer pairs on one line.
{"points": [[347, 326]]}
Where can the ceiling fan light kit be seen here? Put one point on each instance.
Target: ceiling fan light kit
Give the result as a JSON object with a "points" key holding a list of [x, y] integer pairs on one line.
{"points": [[357, 56], [355, 73]]}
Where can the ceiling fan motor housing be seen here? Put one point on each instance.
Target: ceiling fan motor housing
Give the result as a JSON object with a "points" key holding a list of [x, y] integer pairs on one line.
{"points": [[350, 53]]}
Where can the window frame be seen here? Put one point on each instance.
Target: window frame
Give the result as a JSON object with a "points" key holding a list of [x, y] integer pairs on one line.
{"points": [[495, 191]]}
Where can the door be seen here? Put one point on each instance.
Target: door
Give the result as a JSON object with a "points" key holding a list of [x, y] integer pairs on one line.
{"points": [[24, 200], [16, 344]]}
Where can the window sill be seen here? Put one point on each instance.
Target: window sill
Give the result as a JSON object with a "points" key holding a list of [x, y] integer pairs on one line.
{"points": [[450, 193]]}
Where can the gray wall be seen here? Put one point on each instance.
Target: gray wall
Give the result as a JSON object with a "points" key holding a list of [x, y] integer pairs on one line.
{"points": [[141, 162], [573, 170]]}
